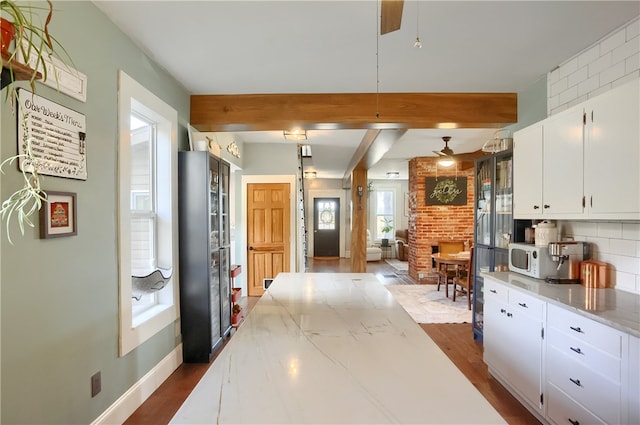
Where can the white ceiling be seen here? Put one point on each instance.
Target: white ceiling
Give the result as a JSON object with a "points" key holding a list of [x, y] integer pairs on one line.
{"points": [[305, 46]]}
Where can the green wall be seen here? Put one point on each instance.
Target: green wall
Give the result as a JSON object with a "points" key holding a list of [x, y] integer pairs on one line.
{"points": [[59, 297]]}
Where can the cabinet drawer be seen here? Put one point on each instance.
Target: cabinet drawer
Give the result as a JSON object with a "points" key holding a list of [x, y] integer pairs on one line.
{"points": [[601, 395], [495, 291], [601, 336], [526, 303], [563, 410], [593, 359]]}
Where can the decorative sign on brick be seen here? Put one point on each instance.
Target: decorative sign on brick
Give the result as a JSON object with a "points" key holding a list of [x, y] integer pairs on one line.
{"points": [[446, 191]]}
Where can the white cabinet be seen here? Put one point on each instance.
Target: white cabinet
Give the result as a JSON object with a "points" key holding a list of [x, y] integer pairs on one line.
{"points": [[584, 367], [631, 378], [583, 162], [513, 326], [612, 153]]}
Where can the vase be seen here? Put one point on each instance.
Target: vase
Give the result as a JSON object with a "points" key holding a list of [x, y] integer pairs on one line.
{"points": [[7, 32]]}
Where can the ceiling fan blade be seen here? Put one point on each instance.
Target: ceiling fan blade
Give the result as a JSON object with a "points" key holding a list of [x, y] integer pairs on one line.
{"points": [[390, 15], [471, 156], [440, 153]]}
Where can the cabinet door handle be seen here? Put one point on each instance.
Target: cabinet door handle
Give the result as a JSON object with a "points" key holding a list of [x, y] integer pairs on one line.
{"points": [[576, 328], [547, 206], [577, 350], [574, 422], [509, 315], [503, 311], [536, 207], [523, 305], [575, 381], [493, 291]]}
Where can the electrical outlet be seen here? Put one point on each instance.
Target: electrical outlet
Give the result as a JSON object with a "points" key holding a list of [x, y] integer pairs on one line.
{"points": [[421, 275], [96, 384]]}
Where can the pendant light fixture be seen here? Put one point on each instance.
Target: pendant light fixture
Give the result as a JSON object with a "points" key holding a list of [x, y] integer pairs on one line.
{"points": [[418, 43]]}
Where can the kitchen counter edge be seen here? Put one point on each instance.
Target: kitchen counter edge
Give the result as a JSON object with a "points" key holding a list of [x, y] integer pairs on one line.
{"points": [[615, 308]]}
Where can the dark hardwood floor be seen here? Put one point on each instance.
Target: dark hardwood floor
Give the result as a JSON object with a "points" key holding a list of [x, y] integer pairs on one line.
{"points": [[455, 340]]}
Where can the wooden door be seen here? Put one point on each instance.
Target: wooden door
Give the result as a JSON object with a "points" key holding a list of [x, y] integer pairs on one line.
{"points": [[268, 232], [326, 227]]}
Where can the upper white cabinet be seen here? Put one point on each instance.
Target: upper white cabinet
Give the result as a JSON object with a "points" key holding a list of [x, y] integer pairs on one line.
{"points": [[612, 153], [583, 162]]}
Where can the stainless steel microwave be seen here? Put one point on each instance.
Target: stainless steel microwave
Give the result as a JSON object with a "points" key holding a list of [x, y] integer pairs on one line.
{"points": [[531, 260]]}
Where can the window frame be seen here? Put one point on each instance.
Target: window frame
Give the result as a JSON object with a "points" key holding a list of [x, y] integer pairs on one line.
{"points": [[134, 98]]}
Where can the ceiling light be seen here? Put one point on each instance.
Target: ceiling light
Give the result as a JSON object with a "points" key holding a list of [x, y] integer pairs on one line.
{"points": [[393, 175], [446, 162], [296, 134], [310, 175]]}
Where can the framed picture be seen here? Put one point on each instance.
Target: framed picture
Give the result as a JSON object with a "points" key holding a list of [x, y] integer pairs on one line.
{"points": [[446, 191], [58, 215]]}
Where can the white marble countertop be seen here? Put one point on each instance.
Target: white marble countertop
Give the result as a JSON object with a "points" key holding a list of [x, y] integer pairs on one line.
{"points": [[333, 348], [612, 307]]}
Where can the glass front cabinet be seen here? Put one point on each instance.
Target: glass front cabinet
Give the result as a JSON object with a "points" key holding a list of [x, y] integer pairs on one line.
{"points": [[494, 225], [205, 289]]}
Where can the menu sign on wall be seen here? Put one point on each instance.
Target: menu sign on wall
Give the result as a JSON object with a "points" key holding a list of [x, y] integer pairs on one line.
{"points": [[56, 134]]}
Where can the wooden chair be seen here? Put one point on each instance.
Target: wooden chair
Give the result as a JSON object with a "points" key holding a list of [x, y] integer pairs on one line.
{"points": [[464, 280], [446, 272]]}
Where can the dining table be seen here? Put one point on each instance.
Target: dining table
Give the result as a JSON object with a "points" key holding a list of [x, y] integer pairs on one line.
{"points": [[460, 259]]}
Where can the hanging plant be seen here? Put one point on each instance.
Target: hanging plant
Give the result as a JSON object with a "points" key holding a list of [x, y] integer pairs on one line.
{"points": [[32, 40]]}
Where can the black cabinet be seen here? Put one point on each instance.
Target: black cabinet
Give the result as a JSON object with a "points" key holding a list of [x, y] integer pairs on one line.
{"points": [[205, 290], [494, 224]]}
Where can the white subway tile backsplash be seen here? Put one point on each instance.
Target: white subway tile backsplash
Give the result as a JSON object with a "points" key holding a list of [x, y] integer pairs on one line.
{"points": [[558, 87], [588, 56], [610, 62], [632, 63], [623, 247], [610, 230], [631, 231], [613, 73], [577, 77], [633, 29], [569, 94], [614, 40], [628, 49], [568, 67], [599, 65], [587, 86], [624, 282]]}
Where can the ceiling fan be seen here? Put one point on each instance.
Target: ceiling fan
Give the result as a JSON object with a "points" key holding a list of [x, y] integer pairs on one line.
{"points": [[447, 153], [390, 15]]}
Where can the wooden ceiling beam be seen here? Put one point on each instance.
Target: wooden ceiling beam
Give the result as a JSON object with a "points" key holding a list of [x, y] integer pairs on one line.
{"points": [[260, 112]]}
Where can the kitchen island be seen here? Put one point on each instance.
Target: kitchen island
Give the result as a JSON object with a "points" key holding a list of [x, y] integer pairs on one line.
{"points": [[332, 348]]}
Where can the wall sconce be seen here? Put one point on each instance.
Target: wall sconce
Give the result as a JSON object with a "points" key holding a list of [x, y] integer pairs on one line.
{"points": [[310, 175], [296, 134], [360, 191], [393, 175], [305, 151]]}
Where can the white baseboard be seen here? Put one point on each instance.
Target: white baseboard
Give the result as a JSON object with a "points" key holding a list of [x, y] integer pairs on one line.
{"points": [[133, 398]]}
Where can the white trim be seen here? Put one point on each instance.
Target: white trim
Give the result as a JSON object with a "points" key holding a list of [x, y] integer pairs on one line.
{"points": [[133, 398], [131, 92], [241, 238]]}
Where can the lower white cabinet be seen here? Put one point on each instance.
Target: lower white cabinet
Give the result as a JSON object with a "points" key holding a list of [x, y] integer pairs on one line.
{"points": [[513, 326], [584, 362], [565, 367]]}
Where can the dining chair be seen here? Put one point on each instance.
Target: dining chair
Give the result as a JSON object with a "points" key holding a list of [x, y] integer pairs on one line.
{"points": [[446, 272], [464, 279]]}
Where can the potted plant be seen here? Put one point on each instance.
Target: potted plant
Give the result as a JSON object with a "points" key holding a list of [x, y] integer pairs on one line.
{"points": [[32, 39], [236, 314], [386, 229]]}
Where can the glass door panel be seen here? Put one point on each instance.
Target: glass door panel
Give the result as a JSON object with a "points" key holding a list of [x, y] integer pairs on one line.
{"points": [[214, 201], [503, 202], [224, 229], [483, 202]]}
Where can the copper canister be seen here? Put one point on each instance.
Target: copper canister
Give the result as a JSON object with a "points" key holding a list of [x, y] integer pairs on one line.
{"points": [[595, 274]]}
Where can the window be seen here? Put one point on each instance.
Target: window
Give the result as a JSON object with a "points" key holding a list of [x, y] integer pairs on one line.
{"points": [[384, 213], [147, 211]]}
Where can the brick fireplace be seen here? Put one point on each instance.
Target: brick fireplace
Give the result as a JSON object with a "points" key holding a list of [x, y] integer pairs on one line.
{"points": [[430, 224]]}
